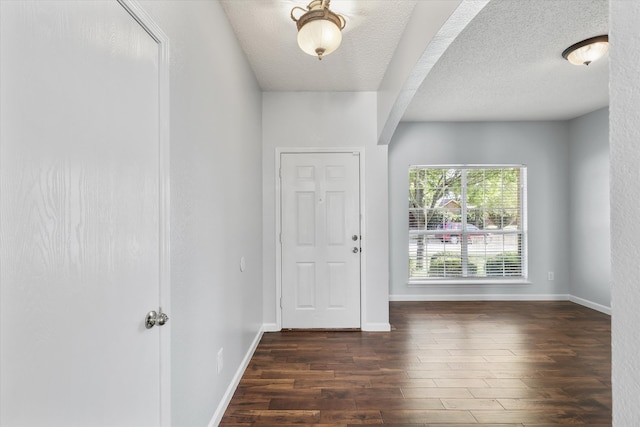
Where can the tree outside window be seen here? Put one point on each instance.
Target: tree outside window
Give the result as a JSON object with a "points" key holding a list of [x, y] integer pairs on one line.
{"points": [[466, 222]]}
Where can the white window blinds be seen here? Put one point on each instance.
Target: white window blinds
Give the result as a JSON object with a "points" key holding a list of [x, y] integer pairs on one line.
{"points": [[467, 222]]}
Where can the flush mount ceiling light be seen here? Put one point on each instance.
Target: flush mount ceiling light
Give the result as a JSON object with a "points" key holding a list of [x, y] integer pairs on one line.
{"points": [[319, 29], [587, 51]]}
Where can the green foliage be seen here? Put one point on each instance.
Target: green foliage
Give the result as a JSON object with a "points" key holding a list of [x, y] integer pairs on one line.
{"points": [[507, 264], [437, 255], [492, 196], [429, 186], [446, 265]]}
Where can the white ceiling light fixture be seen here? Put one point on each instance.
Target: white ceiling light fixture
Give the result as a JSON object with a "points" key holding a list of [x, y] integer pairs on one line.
{"points": [[319, 29], [587, 51]]}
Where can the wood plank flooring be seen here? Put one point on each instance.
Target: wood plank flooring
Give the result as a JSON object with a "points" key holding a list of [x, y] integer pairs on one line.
{"points": [[443, 364]]}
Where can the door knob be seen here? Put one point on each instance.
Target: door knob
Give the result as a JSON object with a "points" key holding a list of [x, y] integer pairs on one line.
{"points": [[355, 250], [162, 318], [354, 237], [152, 318]]}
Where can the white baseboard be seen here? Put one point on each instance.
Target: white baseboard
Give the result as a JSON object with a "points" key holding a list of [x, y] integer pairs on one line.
{"points": [[376, 327], [222, 406], [481, 297], [505, 297], [368, 327], [271, 327], [590, 304]]}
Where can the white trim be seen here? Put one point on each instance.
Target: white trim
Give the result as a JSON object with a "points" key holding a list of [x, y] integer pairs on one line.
{"points": [[224, 402], [464, 245], [505, 297], [278, 246], [271, 327], [278, 243], [164, 204], [363, 247], [464, 283], [468, 165], [376, 327], [590, 304], [482, 297]]}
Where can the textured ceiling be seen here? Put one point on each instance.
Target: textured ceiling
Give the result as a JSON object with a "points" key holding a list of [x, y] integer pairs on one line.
{"points": [[267, 34], [505, 65]]}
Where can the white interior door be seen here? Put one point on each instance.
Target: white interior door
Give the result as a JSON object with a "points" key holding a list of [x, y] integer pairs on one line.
{"points": [[79, 216], [320, 213]]}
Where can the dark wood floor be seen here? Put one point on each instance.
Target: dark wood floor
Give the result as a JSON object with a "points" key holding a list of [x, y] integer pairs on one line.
{"points": [[443, 364]]}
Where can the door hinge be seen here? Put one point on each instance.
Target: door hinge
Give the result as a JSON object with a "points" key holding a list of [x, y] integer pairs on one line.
{"points": [[280, 302]]}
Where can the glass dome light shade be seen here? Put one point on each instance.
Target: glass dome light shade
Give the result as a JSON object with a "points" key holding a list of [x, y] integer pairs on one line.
{"points": [[319, 29], [319, 37], [587, 51]]}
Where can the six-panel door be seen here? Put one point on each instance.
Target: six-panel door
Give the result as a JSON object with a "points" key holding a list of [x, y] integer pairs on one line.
{"points": [[320, 212]]}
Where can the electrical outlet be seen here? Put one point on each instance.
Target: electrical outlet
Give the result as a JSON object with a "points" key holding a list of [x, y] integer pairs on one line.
{"points": [[550, 276], [220, 360]]}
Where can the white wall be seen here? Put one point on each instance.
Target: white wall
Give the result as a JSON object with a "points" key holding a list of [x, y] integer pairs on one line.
{"points": [[431, 28], [216, 173], [541, 146], [589, 233], [321, 119], [625, 209]]}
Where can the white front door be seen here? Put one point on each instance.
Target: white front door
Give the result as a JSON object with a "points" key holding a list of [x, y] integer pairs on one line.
{"points": [[79, 216], [320, 213]]}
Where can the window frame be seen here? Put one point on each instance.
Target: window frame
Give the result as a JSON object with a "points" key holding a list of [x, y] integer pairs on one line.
{"points": [[523, 231]]}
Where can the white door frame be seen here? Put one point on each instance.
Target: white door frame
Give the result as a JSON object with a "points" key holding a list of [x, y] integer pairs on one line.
{"points": [[164, 207], [278, 248]]}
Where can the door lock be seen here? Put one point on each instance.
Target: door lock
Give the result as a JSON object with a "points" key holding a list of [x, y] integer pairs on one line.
{"points": [[162, 318], [355, 250], [152, 318]]}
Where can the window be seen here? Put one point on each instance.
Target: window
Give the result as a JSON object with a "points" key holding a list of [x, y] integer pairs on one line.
{"points": [[467, 223]]}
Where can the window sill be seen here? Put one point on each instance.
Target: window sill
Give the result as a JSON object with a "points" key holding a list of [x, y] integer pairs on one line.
{"points": [[466, 282]]}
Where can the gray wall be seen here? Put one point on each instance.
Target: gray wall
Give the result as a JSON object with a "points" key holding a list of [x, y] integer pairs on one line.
{"points": [[330, 119], [216, 170], [541, 146], [589, 234], [568, 202], [625, 210]]}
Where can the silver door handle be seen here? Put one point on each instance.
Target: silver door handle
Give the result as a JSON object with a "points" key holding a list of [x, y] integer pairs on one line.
{"points": [[162, 318], [354, 237], [152, 318], [355, 250]]}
